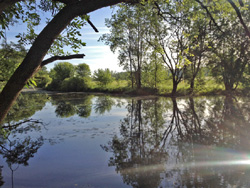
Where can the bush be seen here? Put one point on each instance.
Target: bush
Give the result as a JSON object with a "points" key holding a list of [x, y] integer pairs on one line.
{"points": [[75, 84], [104, 77]]}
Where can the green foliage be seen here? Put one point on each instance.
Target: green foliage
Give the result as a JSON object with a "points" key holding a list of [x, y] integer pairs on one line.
{"points": [[11, 55], [83, 70], [128, 35], [120, 75], [75, 84], [67, 77], [25, 106], [104, 77], [42, 78], [62, 70]]}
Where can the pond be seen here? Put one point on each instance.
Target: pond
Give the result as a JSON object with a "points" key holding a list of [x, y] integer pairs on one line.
{"points": [[98, 141]]}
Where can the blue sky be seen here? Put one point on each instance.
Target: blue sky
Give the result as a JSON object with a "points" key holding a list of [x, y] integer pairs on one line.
{"points": [[98, 55]]}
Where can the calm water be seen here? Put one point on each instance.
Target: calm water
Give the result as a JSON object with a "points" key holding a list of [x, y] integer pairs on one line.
{"points": [[92, 141]]}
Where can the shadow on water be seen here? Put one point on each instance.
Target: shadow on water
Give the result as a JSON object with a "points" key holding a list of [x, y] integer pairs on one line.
{"points": [[183, 143]]}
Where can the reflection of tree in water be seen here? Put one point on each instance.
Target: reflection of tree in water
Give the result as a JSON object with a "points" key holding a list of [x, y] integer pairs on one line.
{"points": [[17, 147], [103, 104], [209, 130], [66, 107], [137, 154], [229, 122], [187, 138], [25, 106]]}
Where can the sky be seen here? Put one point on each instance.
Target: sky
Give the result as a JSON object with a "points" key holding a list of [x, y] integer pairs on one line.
{"points": [[98, 55]]}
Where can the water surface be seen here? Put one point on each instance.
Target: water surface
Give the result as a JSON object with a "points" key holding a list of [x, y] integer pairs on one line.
{"points": [[102, 141]]}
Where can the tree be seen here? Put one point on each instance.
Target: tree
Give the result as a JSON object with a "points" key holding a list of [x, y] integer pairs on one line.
{"points": [[230, 52], [83, 70], [59, 73], [127, 36], [167, 39], [11, 55], [42, 78], [197, 31], [103, 76], [154, 73], [62, 70], [42, 43]]}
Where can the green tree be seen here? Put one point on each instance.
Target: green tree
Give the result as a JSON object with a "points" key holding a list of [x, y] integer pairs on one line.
{"points": [[197, 33], [62, 70], [167, 39], [83, 70], [59, 73], [103, 76], [154, 73], [11, 55], [230, 53], [127, 36], [42, 78], [75, 84]]}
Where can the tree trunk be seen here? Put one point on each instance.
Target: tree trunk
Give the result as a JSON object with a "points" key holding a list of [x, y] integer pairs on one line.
{"points": [[139, 79], [131, 70], [228, 86], [175, 84], [32, 61], [191, 89]]}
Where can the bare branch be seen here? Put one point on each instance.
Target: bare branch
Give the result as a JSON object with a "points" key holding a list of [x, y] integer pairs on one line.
{"points": [[54, 58], [92, 25]]}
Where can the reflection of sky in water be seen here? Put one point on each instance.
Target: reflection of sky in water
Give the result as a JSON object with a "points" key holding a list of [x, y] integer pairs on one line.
{"points": [[73, 151]]}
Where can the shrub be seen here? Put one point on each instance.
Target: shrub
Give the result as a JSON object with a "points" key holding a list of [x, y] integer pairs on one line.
{"points": [[75, 84]]}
